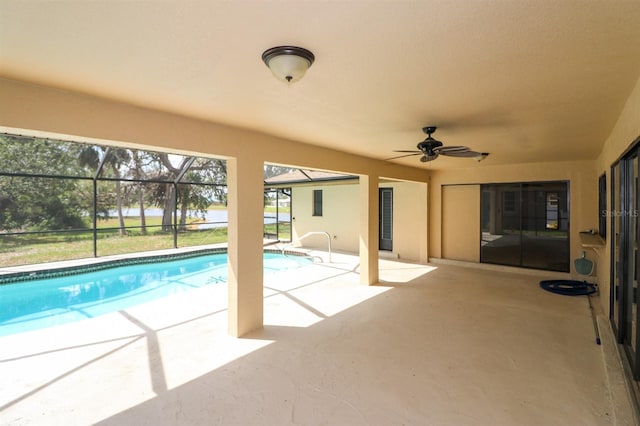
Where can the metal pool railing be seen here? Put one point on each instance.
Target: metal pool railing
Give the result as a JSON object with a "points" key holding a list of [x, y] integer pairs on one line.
{"points": [[315, 233]]}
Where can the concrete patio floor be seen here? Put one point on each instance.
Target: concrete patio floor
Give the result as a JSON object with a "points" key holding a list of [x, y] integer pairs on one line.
{"points": [[430, 345]]}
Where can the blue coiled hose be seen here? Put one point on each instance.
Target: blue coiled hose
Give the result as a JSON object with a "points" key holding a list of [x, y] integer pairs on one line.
{"points": [[568, 287]]}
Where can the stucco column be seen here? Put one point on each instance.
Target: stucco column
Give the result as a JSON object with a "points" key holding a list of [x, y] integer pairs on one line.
{"points": [[245, 207], [368, 229], [423, 230]]}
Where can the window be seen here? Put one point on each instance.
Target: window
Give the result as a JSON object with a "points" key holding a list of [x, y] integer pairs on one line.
{"points": [[317, 202]]}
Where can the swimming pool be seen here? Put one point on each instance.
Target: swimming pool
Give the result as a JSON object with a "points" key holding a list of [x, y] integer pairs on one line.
{"points": [[44, 302]]}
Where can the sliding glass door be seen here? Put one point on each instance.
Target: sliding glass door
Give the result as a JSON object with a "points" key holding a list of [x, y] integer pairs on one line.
{"points": [[624, 271], [617, 258], [526, 225]]}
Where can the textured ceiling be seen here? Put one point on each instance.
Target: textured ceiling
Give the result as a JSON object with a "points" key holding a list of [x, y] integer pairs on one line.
{"points": [[527, 81]]}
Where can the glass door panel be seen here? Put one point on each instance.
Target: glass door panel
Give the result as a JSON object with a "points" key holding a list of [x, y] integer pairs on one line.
{"points": [[525, 225], [625, 231], [633, 249], [616, 247], [628, 279], [545, 236], [500, 224]]}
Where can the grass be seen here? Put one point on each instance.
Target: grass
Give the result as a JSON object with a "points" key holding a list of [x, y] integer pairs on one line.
{"points": [[29, 249], [38, 248], [272, 209]]}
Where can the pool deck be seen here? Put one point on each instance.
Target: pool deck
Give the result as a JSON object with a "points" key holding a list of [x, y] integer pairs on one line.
{"points": [[437, 344]]}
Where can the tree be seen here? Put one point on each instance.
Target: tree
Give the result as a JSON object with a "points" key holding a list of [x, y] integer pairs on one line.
{"points": [[45, 202], [138, 173], [114, 159], [211, 170], [270, 170], [48, 184]]}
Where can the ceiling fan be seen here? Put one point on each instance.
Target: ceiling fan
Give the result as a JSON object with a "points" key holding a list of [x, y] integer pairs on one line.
{"points": [[430, 149]]}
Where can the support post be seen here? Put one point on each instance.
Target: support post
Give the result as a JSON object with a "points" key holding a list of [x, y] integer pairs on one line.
{"points": [[369, 232], [246, 218]]}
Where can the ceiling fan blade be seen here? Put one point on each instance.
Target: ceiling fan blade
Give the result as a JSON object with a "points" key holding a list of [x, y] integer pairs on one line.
{"points": [[402, 156], [465, 154], [405, 150], [450, 149]]}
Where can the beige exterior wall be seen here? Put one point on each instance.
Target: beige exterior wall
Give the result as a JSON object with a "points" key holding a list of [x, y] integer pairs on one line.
{"points": [[461, 222], [31, 109], [341, 217], [583, 199], [583, 187], [410, 220]]}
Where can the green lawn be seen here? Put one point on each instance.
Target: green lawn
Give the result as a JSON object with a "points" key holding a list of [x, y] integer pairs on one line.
{"points": [[38, 248], [28, 249]]}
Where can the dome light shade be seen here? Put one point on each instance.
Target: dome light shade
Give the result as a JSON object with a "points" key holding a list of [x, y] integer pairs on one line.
{"points": [[288, 63]]}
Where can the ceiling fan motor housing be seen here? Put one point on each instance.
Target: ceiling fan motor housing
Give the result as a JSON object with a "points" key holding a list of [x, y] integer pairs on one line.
{"points": [[427, 145], [428, 157], [431, 149]]}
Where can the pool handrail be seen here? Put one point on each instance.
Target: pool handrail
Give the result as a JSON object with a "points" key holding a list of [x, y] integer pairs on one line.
{"points": [[297, 240]]}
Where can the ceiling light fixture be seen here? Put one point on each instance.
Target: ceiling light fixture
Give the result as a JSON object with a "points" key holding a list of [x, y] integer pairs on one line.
{"points": [[288, 63]]}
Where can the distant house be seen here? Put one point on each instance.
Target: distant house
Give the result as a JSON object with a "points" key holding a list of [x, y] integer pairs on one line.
{"points": [[328, 202]]}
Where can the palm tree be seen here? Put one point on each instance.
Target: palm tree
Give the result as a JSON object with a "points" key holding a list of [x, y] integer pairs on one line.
{"points": [[97, 157]]}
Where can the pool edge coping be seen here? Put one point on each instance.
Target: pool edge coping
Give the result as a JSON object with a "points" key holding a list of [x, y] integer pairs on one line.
{"points": [[98, 265]]}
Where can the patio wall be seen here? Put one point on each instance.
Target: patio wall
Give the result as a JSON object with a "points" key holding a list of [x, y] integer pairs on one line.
{"points": [[583, 187], [340, 217], [36, 109]]}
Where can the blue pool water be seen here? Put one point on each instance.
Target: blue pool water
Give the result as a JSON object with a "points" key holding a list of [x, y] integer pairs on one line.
{"points": [[30, 305]]}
